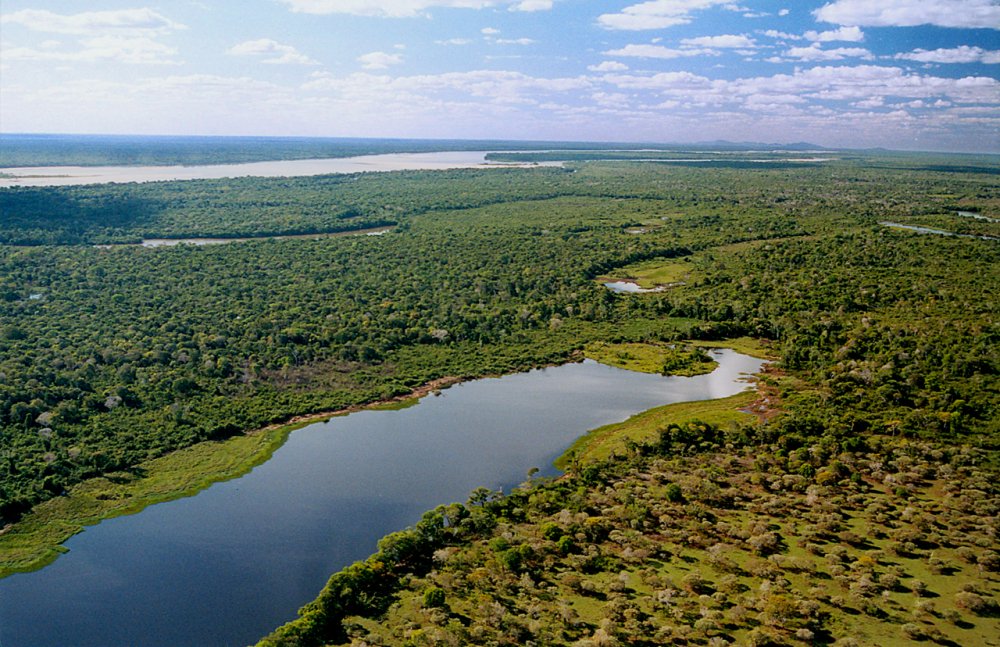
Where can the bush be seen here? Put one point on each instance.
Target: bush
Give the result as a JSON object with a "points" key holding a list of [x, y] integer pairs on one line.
{"points": [[434, 597], [974, 603]]}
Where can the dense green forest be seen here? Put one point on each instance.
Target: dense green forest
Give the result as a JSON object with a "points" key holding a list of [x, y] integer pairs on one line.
{"points": [[110, 356]]}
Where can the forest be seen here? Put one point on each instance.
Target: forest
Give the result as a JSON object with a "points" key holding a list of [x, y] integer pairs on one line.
{"points": [[112, 354]]}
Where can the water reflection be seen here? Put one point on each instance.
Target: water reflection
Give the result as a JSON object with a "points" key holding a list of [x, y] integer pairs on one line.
{"points": [[231, 563]]}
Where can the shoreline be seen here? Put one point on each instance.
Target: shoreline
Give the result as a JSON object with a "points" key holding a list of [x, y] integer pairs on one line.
{"points": [[37, 539]]}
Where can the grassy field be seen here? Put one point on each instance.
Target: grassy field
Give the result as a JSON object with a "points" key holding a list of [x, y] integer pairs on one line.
{"points": [[603, 442], [655, 273], [656, 358]]}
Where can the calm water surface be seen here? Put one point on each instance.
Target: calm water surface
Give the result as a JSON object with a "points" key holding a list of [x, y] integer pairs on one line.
{"points": [[75, 175], [630, 286], [230, 564]]}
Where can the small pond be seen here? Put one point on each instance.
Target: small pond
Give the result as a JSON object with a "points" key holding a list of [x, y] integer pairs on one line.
{"points": [[631, 287]]}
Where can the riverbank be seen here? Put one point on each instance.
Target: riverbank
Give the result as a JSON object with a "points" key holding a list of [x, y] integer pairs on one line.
{"points": [[602, 443], [36, 540]]}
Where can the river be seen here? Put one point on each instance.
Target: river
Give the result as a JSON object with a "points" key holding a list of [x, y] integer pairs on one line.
{"points": [[77, 175], [228, 565]]}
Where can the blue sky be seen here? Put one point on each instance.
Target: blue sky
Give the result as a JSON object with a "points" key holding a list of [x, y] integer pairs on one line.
{"points": [[904, 74]]}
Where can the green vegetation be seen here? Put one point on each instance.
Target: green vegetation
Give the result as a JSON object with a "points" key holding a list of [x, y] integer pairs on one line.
{"points": [[602, 443], [665, 359], [882, 410], [34, 542], [699, 536]]}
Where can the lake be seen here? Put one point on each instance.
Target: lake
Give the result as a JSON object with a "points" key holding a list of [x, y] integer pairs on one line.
{"points": [[76, 175], [228, 565]]}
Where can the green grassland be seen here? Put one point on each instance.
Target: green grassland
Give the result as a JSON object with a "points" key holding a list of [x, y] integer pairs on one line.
{"points": [[604, 442], [645, 357], [655, 273]]}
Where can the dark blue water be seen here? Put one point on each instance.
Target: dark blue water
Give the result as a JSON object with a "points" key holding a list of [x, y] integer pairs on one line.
{"points": [[230, 564]]}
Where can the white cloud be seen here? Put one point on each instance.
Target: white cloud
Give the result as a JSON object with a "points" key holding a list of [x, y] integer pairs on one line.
{"points": [[909, 13], [773, 33], [656, 14], [379, 60], [137, 50], [405, 8], [783, 12], [91, 23], [961, 54], [489, 31], [532, 5], [817, 53], [616, 99], [851, 34], [608, 66], [454, 41], [868, 104], [725, 41], [280, 54], [514, 41], [659, 51]]}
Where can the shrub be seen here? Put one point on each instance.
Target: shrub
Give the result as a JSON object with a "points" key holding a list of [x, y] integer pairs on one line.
{"points": [[434, 597], [974, 603]]}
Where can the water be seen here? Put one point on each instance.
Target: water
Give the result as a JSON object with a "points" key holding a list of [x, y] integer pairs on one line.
{"points": [[230, 564], [631, 287], [173, 242], [977, 216], [76, 175], [929, 230]]}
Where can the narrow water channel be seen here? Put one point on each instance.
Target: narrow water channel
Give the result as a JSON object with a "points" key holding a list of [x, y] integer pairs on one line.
{"points": [[228, 565]]}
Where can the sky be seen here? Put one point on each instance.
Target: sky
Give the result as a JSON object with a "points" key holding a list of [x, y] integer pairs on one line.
{"points": [[900, 74]]}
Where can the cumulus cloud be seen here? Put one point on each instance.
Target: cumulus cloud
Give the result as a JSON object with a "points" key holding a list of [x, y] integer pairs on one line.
{"points": [[138, 50], [659, 51], [657, 14], [379, 60], [454, 41], [608, 66], [123, 36], [961, 54], [817, 53], [724, 41], [909, 13], [90, 23], [851, 34], [406, 8], [279, 54], [532, 5], [780, 35]]}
